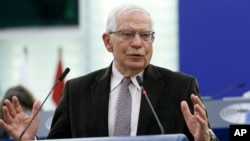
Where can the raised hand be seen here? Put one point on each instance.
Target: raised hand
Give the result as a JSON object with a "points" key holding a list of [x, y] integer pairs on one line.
{"points": [[197, 122], [15, 120]]}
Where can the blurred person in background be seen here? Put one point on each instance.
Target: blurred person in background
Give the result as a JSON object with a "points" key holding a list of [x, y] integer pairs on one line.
{"points": [[26, 100]]}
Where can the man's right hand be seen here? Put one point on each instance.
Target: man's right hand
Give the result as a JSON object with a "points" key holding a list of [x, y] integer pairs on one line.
{"points": [[15, 120]]}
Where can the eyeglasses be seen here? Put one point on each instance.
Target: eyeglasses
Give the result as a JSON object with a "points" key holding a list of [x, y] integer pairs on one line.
{"points": [[129, 34]]}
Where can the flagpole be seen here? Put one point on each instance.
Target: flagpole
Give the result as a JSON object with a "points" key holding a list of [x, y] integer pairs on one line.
{"points": [[24, 69], [57, 92]]}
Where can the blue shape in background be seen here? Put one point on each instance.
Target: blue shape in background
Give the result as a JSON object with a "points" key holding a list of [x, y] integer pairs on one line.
{"points": [[215, 44]]}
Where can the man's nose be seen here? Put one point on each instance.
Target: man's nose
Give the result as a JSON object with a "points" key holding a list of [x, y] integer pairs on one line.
{"points": [[137, 40]]}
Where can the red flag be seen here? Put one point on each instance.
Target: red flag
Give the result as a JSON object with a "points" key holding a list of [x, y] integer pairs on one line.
{"points": [[58, 90]]}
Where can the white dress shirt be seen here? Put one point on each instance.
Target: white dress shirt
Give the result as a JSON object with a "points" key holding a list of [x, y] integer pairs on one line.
{"points": [[135, 91]]}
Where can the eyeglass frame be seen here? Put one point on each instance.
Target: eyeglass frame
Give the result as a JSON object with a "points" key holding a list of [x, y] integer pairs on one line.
{"points": [[151, 34]]}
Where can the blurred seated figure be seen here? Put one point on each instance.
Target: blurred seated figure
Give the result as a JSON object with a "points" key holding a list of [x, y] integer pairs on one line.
{"points": [[26, 100]]}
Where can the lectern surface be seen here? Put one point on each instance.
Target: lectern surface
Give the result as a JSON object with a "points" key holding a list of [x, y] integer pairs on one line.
{"points": [[170, 137]]}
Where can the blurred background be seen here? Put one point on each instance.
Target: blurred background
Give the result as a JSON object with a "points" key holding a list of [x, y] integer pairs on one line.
{"points": [[208, 39], [33, 32]]}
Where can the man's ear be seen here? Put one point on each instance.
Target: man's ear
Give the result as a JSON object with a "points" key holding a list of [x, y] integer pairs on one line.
{"points": [[107, 42]]}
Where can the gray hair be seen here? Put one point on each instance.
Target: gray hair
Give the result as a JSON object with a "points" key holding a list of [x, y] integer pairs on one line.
{"points": [[121, 10]]}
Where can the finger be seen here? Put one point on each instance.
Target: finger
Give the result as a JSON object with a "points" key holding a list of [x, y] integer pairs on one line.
{"points": [[202, 122], [4, 125], [7, 116], [196, 100], [36, 108], [16, 104], [201, 112], [185, 110], [2, 122], [10, 108], [199, 107]]}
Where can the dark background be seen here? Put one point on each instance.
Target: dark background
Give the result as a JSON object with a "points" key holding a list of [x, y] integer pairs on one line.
{"points": [[28, 13]]}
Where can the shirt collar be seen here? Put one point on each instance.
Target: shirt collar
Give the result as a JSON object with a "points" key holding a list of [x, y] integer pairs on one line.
{"points": [[117, 77]]}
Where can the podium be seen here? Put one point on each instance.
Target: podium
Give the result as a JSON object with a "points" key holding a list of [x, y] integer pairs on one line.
{"points": [[45, 123], [169, 137], [46, 118], [229, 110], [222, 113]]}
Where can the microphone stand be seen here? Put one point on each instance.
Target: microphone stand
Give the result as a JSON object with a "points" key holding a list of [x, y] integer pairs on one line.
{"points": [[144, 92], [58, 81]]}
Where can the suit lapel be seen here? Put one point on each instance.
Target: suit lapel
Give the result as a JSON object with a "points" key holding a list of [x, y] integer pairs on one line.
{"points": [[153, 85], [100, 99]]}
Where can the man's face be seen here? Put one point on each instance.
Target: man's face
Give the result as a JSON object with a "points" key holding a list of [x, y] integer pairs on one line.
{"points": [[131, 53]]}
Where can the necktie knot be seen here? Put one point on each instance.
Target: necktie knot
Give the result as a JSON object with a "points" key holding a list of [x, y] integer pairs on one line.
{"points": [[126, 81]]}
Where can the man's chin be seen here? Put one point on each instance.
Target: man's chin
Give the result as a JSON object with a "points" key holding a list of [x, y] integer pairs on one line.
{"points": [[137, 66]]}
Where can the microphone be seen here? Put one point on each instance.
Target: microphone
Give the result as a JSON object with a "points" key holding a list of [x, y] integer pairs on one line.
{"points": [[144, 92], [66, 71], [221, 93]]}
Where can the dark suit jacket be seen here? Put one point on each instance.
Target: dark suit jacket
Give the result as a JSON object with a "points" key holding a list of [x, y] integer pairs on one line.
{"points": [[83, 109]]}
